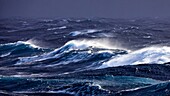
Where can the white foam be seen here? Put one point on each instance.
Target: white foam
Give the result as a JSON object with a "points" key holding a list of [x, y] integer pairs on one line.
{"points": [[30, 43], [6, 54], [150, 55], [75, 33], [95, 43], [62, 27], [49, 29], [47, 20], [82, 32]]}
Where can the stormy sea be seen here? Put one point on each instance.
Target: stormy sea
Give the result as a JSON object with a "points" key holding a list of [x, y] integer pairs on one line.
{"points": [[85, 57]]}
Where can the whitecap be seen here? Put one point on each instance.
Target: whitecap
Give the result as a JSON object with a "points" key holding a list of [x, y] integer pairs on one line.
{"points": [[29, 42], [149, 55], [95, 43], [62, 27], [6, 54], [83, 32]]}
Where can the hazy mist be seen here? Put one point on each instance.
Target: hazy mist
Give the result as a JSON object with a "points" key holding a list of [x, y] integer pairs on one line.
{"points": [[84, 8]]}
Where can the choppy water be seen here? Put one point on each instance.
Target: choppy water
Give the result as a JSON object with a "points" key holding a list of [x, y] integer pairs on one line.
{"points": [[85, 57]]}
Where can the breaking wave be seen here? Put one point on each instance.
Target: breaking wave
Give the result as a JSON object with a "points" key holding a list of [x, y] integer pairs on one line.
{"points": [[19, 48], [88, 53], [149, 55]]}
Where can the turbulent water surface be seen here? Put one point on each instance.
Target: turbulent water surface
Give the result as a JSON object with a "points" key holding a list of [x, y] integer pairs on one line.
{"points": [[85, 57]]}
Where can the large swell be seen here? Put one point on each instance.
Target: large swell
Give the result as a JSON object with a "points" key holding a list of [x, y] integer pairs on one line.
{"points": [[86, 54], [85, 57], [96, 53]]}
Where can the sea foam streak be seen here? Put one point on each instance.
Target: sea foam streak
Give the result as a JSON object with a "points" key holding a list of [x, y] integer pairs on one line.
{"points": [[150, 55]]}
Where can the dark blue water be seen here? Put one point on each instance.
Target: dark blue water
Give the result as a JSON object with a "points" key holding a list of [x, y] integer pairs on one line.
{"points": [[85, 57]]}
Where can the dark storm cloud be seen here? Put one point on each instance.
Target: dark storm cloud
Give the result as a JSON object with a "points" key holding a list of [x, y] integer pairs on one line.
{"points": [[85, 8]]}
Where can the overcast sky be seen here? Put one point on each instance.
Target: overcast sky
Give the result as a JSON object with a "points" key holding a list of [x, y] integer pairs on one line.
{"points": [[85, 8]]}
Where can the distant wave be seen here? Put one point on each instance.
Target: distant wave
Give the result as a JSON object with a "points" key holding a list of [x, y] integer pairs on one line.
{"points": [[84, 32], [62, 27], [19, 49]]}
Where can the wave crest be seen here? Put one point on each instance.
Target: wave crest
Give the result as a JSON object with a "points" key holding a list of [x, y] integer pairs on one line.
{"points": [[150, 55], [87, 52], [19, 48]]}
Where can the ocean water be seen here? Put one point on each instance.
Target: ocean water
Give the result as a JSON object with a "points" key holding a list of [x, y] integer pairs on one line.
{"points": [[85, 57]]}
